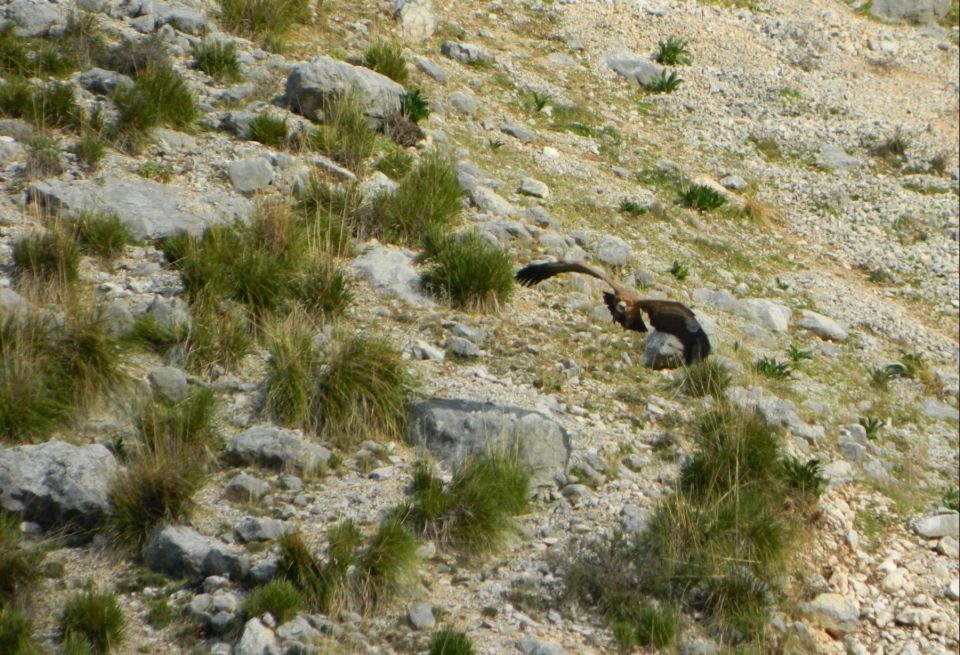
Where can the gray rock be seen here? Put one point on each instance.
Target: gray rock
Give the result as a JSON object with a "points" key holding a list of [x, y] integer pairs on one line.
{"points": [[775, 411], [634, 68], [179, 551], [454, 430], [936, 526], [376, 184], [151, 210], [835, 158], [767, 313], [423, 350], [310, 84], [953, 590], [10, 150], [662, 350], [463, 103], [634, 519], [421, 616], [173, 140], [530, 646], [540, 217], [431, 69], [834, 613], [299, 629], [613, 251], [465, 53], [734, 183], [182, 18], [249, 175], [16, 128], [103, 82], [391, 272], [822, 326], [463, 347], [698, 647], [169, 381], [56, 483], [278, 448], [417, 20], [261, 529], [535, 188], [488, 200], [34, 17], [937, 409], [721, 299], [245, 488], [118, 319], [920, 11], [169, 313], [519, 132], [257, 639], [12, 302]]}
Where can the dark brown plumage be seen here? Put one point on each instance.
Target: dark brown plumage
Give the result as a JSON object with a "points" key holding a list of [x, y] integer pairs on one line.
{"points": [[627, 307]]}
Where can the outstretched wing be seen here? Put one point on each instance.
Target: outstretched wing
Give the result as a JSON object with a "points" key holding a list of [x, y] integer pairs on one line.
{"points": [[536, 273], [677, 319]]}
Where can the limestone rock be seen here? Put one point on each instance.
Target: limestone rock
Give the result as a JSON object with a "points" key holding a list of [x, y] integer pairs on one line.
{"points": [[179, 551], [279, 448], [834, 613], [823, 326], [310, 84]]}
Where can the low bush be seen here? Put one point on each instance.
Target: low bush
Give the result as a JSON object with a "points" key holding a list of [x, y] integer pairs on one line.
{"points": [[386, 58], [470, 272], [673, 51], [270, 130], [96, 616], [102, 233], [281, 598], [345, 134], [702, 197], [448, 641], [218, 59]]}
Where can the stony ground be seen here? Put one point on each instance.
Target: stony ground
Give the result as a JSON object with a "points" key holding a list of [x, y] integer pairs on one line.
{"points": [[783, 106]]}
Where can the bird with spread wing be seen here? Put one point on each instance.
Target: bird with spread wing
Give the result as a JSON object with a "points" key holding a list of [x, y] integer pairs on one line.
{"points": [[626, 307]]}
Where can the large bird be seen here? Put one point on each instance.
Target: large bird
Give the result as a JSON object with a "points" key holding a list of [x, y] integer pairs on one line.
{"points": [[626, 307]]}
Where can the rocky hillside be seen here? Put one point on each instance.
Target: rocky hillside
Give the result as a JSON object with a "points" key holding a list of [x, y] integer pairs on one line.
{"points": [[233, 340]]}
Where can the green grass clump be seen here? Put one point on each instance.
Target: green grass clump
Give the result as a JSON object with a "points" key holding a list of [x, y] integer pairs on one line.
{"points": [[176, 440], [773, 368], [355, 576], [16, 633], [90, 149], [281, 598], [448, 641], [102, 233], [797, 355], [718, 545], [646, 625], [218, 59], [707, 378], [679, 270], [269, 130], [160, 96], [396, 163], [134, 56], [665, 83], [474, 513], [702, 197], [19, 567], [53, 105], [892, 150], [345, 135], [155, 171], [427, 200], [291, 371], [363, 391], [470, 272], [871, 426], [631, 207], [219, 335], [414, 106], [386, 58], [43, 157], [96, 616], [321, 288], [51, 256], [672, 52], [270, 20]]}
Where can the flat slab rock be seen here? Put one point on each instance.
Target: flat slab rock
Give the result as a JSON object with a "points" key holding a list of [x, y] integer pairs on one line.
{"points": [[277, 448], [57, 483], [391, 271], [179, 551], [454, 430], [151, 210]]}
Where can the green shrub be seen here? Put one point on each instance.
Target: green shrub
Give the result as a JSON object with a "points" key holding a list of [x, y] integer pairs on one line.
{"points": [[321, 288], [278, 597], [159, 337], [134, 56], [797, 355], [160, 96], [314, 579], [19, 567], [679, 270], [706, 378], [772, 368], [646, 625], [881, 376], [292, 369], [414, 106], [395, 163], [428, 198], [804, 478], [673, 51], [448, 641], [332, 214], [702, 197], [97, 616], [263, 18], [16, 633], [43, 157], [470, 272], [90, 149], [155, 171], [345, 134], [53, 255], [474, 513], [665, 83], [893, 150], [269, 130], [103, 233], [388, 565], [387, 59], [218, 59]]}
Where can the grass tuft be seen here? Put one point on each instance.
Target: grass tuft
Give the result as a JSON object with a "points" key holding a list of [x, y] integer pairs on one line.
{"points": [[19, 567], [702, 197], [218, 59], [386, 58], [707, 378], [270, 20], [270, 130], [666, 83], [474, 513], [102, 233], [16, 633], [345, 135], [646, 625], [160, 96], [772, 368], [96, 616], [448, 641], [291, 371], [470, 272], [281, 598], [90, 149], [672, 52], [51, 256]]}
